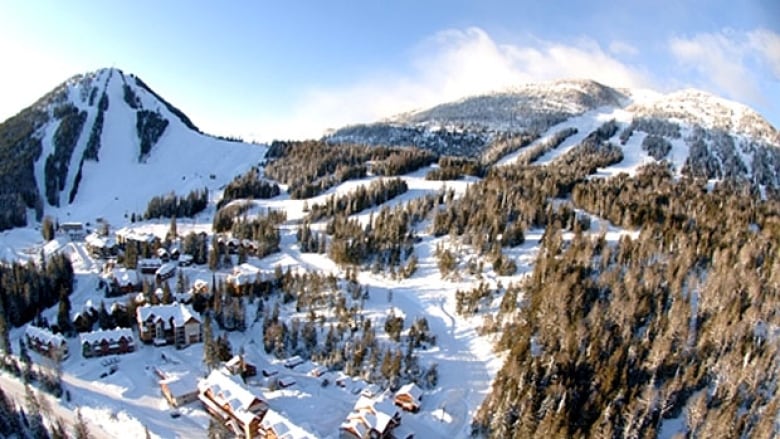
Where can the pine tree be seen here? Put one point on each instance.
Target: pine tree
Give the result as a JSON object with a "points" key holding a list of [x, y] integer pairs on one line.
{"points": [[173, 231], [58, 430], [63, 314], [80, 429], [9, 418], [5, 341], [47, 228], [36, 427], [217, 430], [210, 353]]}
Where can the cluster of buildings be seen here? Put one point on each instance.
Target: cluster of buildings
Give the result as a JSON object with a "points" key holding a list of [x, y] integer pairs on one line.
{"points": [[376, 416]]}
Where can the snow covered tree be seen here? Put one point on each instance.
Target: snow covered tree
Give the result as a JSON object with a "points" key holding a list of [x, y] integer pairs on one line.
{"points": [[210, 352], [36, 428], [47, 228], [63, 314], [80, 429]]}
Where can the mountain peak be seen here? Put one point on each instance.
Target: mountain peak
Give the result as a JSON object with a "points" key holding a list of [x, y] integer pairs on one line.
{"points": [[697, 107]]}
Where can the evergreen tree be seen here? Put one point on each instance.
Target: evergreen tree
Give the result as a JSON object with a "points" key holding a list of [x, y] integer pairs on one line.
{"points": [[5, 341], [9, 417], [217, 430], [36, 428], [80, 429], [63, 314], [214, 254], [58, 430], [210, 352], [47, 228], [173, 231]]}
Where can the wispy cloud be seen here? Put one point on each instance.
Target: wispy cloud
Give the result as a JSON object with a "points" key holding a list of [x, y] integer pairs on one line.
{"points": [[619, 47], [452, 64], [727, 61]]}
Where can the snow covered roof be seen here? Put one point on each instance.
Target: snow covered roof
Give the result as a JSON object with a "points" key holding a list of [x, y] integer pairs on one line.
{"points": [[110, 335], [181, 385], [95, 240], [410, 389], [123, 276], [133, 235], [180, 313], [228, 390], [243, 274], [44, 336], [282, 426]]}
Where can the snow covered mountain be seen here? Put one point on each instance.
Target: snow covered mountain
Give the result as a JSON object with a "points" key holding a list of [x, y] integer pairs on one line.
{"points": [[698, 133], [103, 144]]}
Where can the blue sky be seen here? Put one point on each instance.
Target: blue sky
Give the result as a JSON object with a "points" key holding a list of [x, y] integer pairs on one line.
{"points": [[266, 70]]}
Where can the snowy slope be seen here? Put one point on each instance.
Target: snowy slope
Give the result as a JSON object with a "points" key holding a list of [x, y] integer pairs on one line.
{"points": [[708, 136], [121, 180]]}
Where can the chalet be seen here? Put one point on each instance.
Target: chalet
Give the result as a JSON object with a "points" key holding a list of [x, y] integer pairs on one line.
{"points": [[409, 397], [122, 281], [107, 342], [227, 400], [239, 366], [180, 390], [46, 343], [276, 426], [166, 271], [371, 418], [126, 236], [75, 231], [244, 274], [101, 246], [175, 324], [149, 266]]}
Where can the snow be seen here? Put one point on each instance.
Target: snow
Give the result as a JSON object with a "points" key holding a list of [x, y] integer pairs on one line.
{"points": [[119, 184]]}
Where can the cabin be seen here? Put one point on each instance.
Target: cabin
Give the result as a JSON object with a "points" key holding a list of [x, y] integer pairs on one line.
{"points": [[107, 342], [230, 403], [176, 324], [371, 418], [75, 231], [101, 247], [125, 236], [166, 271], [276, 426], [149, 265], [244, 274], [180, 390], [409, 397], [122, 281], [239, 366], [46, 343]]}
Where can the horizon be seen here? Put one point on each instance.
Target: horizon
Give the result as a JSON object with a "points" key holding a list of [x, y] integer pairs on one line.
{"points": [[263, 72]]}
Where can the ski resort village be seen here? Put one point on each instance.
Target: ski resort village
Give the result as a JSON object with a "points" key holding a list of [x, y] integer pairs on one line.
{"points": [[561, 259]]}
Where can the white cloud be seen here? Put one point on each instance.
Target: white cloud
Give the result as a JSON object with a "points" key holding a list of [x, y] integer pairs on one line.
{"points": [[618, 47], [726, 60], [450, 65], [767, 44]]}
